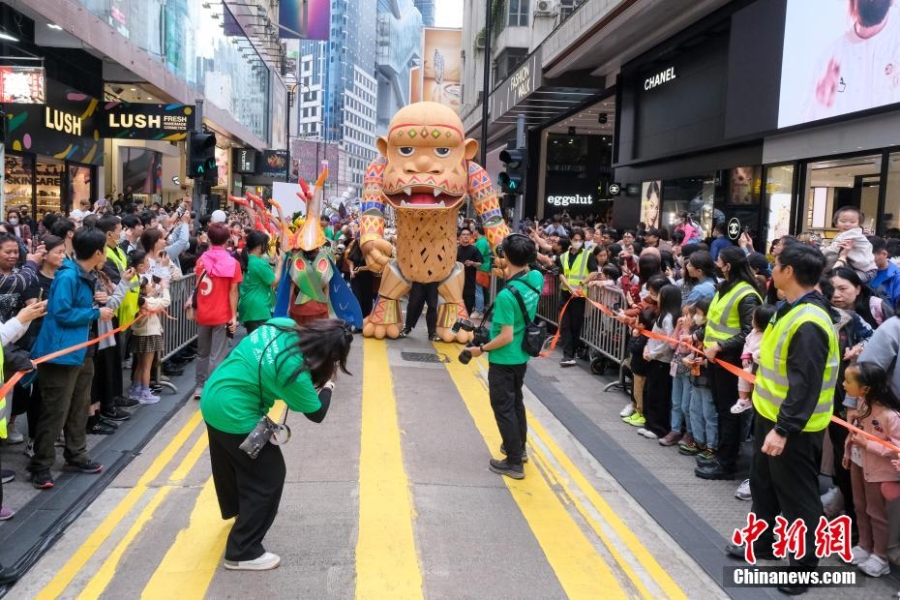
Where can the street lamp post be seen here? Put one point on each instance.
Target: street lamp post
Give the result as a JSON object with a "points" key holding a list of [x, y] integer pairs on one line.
{"points": [[290, 82]]}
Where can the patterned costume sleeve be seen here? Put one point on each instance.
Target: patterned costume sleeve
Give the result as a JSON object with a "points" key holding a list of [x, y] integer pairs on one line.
{"points": [[487, 205], [371, 221]]}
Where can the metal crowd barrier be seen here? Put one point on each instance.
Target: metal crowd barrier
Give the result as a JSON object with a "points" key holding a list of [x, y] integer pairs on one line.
{"points": [[549, 306], [179, 332], [606, 336]]}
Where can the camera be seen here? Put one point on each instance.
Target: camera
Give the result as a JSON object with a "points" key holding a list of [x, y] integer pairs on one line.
{"points": [[481, 336]]}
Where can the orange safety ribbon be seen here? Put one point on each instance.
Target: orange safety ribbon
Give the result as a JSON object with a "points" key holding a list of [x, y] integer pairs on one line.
{"points": [[868, 436], [555, 339]]}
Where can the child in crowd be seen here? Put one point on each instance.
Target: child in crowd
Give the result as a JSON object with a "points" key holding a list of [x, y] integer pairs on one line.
{"points": [[704, 419], [681, 383], [146, 339], [851, 247], [870, 463], [750, 357], [638, 366], [608, 276], [658, 354]]}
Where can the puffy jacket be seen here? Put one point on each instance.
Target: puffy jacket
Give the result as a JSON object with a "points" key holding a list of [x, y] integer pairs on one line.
{"points": [[70, 312]]}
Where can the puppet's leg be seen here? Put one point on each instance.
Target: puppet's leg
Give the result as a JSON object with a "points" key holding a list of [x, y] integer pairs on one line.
{"points": [[451, 292], [385, 318]]}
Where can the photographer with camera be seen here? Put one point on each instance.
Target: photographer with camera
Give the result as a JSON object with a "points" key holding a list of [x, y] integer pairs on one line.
{"points": [[507, 358]]}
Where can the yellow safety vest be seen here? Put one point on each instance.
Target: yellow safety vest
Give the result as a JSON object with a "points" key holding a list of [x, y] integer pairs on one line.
{"points": [[117, 256], [723, 322], [577, 272], [771, 378], [128, 309]]}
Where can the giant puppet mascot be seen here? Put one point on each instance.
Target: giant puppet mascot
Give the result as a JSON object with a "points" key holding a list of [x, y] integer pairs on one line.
{"points": [[425, 174]]}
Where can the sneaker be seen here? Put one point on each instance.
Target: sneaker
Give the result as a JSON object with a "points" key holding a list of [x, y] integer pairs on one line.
{"points": [[741, 406], [116, 414], [42, 479], [7, 475], [12, 435], [743, 491], [126, 401], [860, 555], [88, 467], [502, 467], [134, 393], [875, 566], [434, 338], [29, 449], [126, 364], [101, 428], [627, 411], [636, 420], [6, 514], [524, 453], [197, 393], [705, 455], [671, 438], [148, 397], [404, 332], [264, 563], [688, 447], [833, 502], [567, 362], [647, 434]]}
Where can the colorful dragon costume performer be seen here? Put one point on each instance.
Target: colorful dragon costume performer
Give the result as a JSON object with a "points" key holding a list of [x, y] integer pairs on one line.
{"points": [[425, 174]]}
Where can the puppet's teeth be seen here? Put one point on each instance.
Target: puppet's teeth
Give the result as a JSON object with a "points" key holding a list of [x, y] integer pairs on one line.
{"points": [[404, 203], [437, 192], [441, 204], [407, 191]]}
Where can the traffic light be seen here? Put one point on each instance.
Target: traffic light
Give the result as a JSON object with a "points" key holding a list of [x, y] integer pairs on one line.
{"points": [[512, 180], [202, 155]]}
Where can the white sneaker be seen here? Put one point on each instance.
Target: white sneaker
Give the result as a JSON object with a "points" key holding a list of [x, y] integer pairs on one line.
{"points": [[875, 566], [860, 555], [263, 563], [743, 491], [627, 411], [29, 448], [741, 406], [12, 434], [567, 362], [833, 502], [647, 433]]}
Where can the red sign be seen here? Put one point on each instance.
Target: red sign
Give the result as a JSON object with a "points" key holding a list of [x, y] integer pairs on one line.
{"points": [[832, 537], [22, 85]]}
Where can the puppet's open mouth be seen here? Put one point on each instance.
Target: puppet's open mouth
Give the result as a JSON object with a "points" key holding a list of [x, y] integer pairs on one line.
{"points": [[423, 197]]}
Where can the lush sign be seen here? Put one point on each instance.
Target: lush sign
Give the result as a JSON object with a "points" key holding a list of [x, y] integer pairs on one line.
{"points": [[170, 122]]}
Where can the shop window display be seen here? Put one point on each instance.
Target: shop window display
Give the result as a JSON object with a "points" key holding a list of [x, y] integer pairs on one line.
{"points": [[19, 180], [47, 185], [831, 184], [779, 191]]}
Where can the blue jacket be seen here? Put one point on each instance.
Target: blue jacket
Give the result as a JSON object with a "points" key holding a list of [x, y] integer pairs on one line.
{"points": [[889, 282], [718, 245], [70, 312]]}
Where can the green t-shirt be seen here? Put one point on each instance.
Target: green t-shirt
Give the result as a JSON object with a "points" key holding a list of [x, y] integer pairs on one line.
{"points": [[507, 312], [232, 395], [484, 247], [257, 298]]}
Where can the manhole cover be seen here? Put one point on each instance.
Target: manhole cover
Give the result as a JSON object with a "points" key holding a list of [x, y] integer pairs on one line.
{"points": [[424, 357]]}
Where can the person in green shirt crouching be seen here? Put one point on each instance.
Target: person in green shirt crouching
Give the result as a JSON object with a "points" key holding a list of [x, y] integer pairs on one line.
{"points": [[507, 360], [278, 360], [257, 295]]}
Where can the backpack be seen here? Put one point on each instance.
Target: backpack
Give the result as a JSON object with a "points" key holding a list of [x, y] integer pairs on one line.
{"points": [[535, 333]]}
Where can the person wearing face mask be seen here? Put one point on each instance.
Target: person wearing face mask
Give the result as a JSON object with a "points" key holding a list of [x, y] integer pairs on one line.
{"points": [[20, 229], [574, 265]]}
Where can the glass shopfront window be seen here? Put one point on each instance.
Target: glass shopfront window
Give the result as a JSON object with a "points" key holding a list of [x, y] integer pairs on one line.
{"points": [[210, 53], [18, 181], [834, 183], [891, 217], [779, 193]]}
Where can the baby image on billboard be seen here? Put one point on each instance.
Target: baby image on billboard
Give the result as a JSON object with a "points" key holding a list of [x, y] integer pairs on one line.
{"points": [[840, 57]]}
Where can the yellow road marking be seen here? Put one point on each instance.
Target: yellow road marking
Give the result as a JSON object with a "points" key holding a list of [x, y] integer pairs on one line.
{"points": [[667, 585], [386, 561], [84, 553], [188, 567], [99, 582], [580, 569]]}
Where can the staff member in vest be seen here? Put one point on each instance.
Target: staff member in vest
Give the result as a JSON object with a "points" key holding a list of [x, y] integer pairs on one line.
{"points": [[574, 265], [793, 399], [507, 361], [729, 320]]}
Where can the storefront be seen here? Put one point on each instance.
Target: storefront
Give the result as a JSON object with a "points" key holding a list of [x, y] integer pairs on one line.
{"points": [[52, 152], [576, 174]]}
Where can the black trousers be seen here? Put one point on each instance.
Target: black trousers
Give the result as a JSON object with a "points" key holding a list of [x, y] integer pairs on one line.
{"points": [[787, 485], [108, 376], [571, 325], [505, 388], [841, 476], [249, 489], [469, 296], [363, 286], [658, 398], [419, 295], [724, 392]]}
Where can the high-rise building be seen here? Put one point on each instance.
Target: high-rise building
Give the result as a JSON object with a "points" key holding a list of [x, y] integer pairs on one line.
{"points": [[426, 8], [338, 88], [399, 48]]}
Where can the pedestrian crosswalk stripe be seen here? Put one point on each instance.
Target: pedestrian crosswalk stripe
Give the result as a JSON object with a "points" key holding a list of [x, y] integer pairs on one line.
{"points": [[579, 567], [188, 567], [386, 562]]}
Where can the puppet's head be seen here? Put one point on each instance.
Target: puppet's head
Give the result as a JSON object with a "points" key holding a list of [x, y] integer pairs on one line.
{"points": [[427, 157]]}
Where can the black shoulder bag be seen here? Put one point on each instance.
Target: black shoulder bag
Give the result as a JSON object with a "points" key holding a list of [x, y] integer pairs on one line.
{"points": [[535, 333], [266, 430]]}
